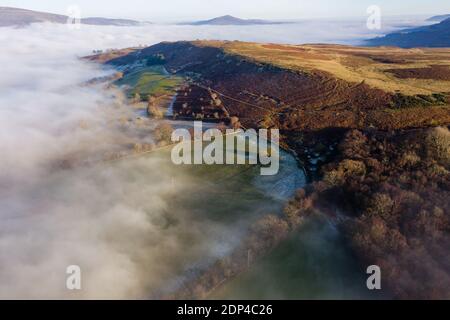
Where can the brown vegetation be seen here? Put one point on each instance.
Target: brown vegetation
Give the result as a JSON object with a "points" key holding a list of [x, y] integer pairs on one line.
{"points": [[261, 86], [435, 72], [163, 133], [394, 190], [153, 109]]}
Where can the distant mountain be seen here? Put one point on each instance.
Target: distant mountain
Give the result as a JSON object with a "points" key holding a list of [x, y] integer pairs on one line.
{"points": [[110, 22], [232, 21], [439, 18], [22, 17], [436, 35]]}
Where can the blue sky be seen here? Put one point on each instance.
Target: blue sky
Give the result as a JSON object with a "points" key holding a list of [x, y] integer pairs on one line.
{"points": [[167, 10]]}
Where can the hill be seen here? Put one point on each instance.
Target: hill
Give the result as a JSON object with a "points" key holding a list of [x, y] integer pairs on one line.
{"points": [[439, 18], [302, 88], [295, 86], [362, 121], [98, 21], [434, 36], [22, 17], [230, 20]]}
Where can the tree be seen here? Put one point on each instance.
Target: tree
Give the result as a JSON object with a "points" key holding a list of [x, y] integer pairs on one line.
{"points": [[163, 133]]}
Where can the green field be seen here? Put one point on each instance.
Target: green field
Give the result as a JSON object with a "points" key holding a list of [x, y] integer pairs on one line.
{"points": [[221, 193], [313, 263], [152, 80]]}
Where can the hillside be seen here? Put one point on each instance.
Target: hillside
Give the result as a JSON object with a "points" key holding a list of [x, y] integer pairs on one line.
{"points": [[230, 20], [434, 36], [295, 86], [315, 90], [362, 121], [22, 17]]}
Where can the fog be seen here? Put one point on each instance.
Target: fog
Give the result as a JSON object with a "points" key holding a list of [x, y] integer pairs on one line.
{"points": [[107, 218], [110, 219]]}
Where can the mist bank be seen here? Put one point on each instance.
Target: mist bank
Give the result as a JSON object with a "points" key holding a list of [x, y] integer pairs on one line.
{"points": [[62, 205], [107, 218]]}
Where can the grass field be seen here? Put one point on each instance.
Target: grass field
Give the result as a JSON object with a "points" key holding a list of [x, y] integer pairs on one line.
{"points": [[313, 263], [221, 193], [145, 81]]}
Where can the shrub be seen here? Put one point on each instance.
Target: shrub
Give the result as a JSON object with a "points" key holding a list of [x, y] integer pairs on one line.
{"points": [[438, 144], [401, 101], [437, 170], [298, 207], [267, 233], [163, 133], [409, 158], [333, 178], [346, 169], [381, 205], [378, 229], [137, 98], [352, 167], [354, 145], [235, 123], [154, 111]]}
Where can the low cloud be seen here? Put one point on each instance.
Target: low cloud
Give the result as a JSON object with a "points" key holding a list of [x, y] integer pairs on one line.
{"points": [[110, 219]]}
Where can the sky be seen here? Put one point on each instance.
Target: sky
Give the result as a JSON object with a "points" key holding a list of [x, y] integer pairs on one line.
{"points": [[170, 10]]}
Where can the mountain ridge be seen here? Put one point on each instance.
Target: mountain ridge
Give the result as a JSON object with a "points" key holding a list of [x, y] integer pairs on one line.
{"points": [[433, 36], [10, 17], [439, 18], [231, 20]]}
